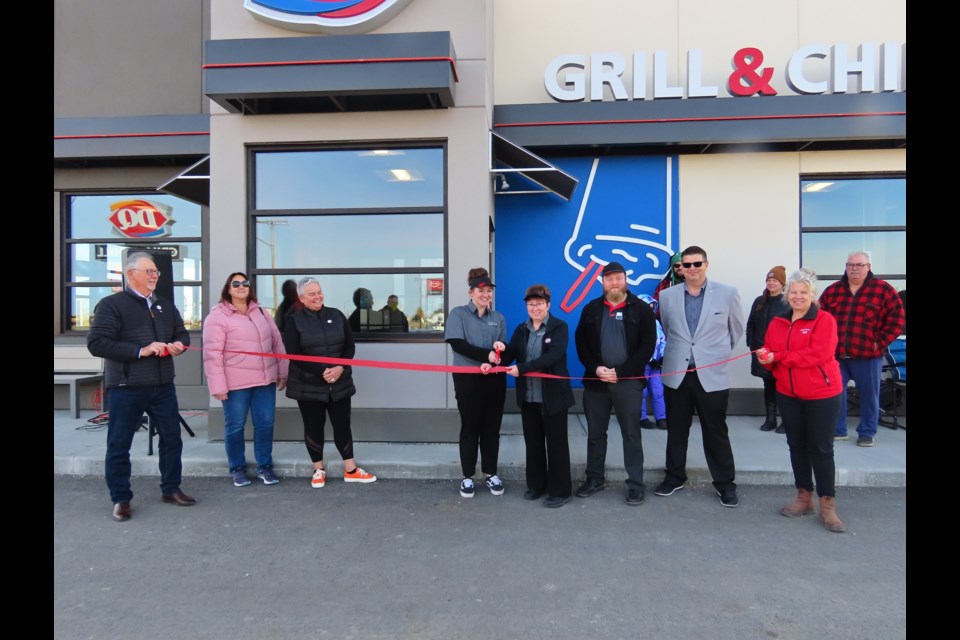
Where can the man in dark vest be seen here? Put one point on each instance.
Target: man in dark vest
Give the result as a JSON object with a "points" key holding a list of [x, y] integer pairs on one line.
{"points": [[137, 333]]}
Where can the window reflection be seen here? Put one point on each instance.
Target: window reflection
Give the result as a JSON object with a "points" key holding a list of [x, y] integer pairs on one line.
{"points": [[872, 212], [419, 298], [349, 179]]}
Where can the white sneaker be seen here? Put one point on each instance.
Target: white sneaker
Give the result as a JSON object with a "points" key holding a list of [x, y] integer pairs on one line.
{"points": [[466, 488], [495, 485], [319, 479]]}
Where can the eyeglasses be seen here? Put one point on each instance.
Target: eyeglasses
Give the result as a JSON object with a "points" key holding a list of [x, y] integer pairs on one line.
{"points": [[236, 284], [690, 265], [857, 265], [541, 303], [149, 272], [677, 265]]}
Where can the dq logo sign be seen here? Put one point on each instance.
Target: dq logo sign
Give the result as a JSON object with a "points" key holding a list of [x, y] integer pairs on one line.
{"points": [[326, 16], [141, 218]]}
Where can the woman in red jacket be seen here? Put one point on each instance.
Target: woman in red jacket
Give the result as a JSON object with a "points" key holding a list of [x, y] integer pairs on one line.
{"points": [[799, 350]]}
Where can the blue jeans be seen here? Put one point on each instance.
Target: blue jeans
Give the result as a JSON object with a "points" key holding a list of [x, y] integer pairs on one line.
{"points": [[866, 374], [654, 391], [127, 406], [260, 403]]}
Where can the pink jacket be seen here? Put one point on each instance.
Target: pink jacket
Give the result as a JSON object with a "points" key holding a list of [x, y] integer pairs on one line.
{"points": [[226, 329]]}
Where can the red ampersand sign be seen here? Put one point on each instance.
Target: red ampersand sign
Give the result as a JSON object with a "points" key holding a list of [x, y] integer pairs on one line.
{"points": [[746, 61]]}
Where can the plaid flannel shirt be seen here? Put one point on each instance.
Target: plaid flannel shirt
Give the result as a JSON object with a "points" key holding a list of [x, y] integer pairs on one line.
{"points": [[866, 322]]}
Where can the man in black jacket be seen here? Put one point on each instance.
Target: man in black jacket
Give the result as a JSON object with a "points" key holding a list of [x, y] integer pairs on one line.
{"points": [[137, 333], [615, 339]]}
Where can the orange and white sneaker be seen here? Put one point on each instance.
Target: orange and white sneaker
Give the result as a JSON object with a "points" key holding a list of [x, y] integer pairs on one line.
{"points": [[358, 475], [319, 479]]}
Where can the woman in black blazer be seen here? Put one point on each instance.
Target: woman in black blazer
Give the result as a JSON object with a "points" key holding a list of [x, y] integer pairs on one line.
{"points": [[540, 345]]}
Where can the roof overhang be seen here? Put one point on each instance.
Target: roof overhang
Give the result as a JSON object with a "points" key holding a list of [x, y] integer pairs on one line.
{"points": [[698, 125], [321, 74], [193, 183], [158, 140], [507, 157]]}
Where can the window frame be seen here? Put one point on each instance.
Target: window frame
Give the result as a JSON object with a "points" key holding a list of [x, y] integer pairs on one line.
{"points": [[253, 214]]}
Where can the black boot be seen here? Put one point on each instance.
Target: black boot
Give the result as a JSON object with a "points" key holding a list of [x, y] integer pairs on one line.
{"points": [[771, 422], [780, 428]]}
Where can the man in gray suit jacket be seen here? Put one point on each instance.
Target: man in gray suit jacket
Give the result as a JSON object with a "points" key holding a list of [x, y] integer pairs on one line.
{"points": [[702, 322]]}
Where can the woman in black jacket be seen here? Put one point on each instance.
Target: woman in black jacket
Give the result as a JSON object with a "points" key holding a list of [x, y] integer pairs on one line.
{"points": [[319, 388], [540, 345], [767, 305]]}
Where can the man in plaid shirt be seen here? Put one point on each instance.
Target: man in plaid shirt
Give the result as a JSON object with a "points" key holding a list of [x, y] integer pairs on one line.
{"points": [[869, 317]]}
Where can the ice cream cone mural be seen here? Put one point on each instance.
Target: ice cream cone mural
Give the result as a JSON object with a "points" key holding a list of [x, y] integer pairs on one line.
{"points": [[635, 237]]}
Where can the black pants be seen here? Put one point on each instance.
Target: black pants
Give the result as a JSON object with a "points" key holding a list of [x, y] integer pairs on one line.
{"points": [[711, 408], [810, 426], [624, 399], [548, 451], [314, 414], [770, 391], [480, 403]]}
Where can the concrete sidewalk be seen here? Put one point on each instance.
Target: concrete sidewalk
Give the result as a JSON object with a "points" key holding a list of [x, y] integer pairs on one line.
{"points": [[762, 457]]}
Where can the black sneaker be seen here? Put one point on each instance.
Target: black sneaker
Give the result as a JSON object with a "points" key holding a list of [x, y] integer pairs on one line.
{"points": [[466, 487], [493, 483], [668, 487], [864, 441], [662, 424], [728, 497], [635, 496], [555, 501], [646, 424], [589, 487], [532, 494]]}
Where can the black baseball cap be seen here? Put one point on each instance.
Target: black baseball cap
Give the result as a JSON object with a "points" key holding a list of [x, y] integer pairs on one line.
{"points": [[613, 267]]}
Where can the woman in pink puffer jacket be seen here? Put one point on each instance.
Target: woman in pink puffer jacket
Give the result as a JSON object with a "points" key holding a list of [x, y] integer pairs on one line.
{"points": [[246, 384]]}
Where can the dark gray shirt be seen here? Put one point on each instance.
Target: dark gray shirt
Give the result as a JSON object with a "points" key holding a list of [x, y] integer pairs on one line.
{"points": [[613, 337], [534, 351]]}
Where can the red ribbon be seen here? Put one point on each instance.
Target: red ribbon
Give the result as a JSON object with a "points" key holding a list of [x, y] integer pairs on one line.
{"points": [[444, 368]]}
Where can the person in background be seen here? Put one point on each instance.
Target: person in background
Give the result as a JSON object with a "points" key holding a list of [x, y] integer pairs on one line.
{"points": [[362, 300], [767, 305], [799, 349], [476, 334], [615, 339], [703, 322], [869, 316], [653, 390], [418, 320], [236, 329], [674, 276], [903, 302], [137, 333], [290, 303], [322, 389], [392, 315], [540, 344]]}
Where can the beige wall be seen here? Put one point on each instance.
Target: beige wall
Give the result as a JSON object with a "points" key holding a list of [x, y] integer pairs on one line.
{"points": [[128, 57], [531, 33]]}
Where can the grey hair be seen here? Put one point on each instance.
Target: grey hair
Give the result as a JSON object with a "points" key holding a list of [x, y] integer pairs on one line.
{"points": [[861, 252], [804, 276], [134, 258], [303, 282]]}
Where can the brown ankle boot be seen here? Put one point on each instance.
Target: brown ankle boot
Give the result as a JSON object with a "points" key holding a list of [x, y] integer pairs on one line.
{"points": [[801, 506], [828, 514]]}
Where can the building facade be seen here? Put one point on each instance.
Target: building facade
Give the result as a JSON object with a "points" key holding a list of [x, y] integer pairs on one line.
{"points": [[388, 147]]}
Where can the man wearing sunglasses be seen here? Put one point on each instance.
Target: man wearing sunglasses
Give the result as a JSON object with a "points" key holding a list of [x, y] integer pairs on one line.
{"points": [[703, 321], [869, 317], [137, 333]]}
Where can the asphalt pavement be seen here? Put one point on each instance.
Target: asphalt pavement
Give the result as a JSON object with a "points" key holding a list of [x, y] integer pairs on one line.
{"points": [[411, 559]]}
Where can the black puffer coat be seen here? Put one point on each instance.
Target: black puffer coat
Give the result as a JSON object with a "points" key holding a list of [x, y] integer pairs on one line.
{"points": [[324, 333], [121, 326], [762, 311]]}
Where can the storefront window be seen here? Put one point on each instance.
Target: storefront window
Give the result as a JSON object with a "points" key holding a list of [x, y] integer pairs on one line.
{"points": [[840, 214], [367, 223], [100, 227]]}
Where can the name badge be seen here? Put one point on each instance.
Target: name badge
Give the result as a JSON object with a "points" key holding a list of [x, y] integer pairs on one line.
{"points": [[619, 315]]}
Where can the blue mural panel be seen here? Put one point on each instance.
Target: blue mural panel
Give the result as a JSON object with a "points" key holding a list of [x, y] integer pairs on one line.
{"points": [[625, 209]]}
